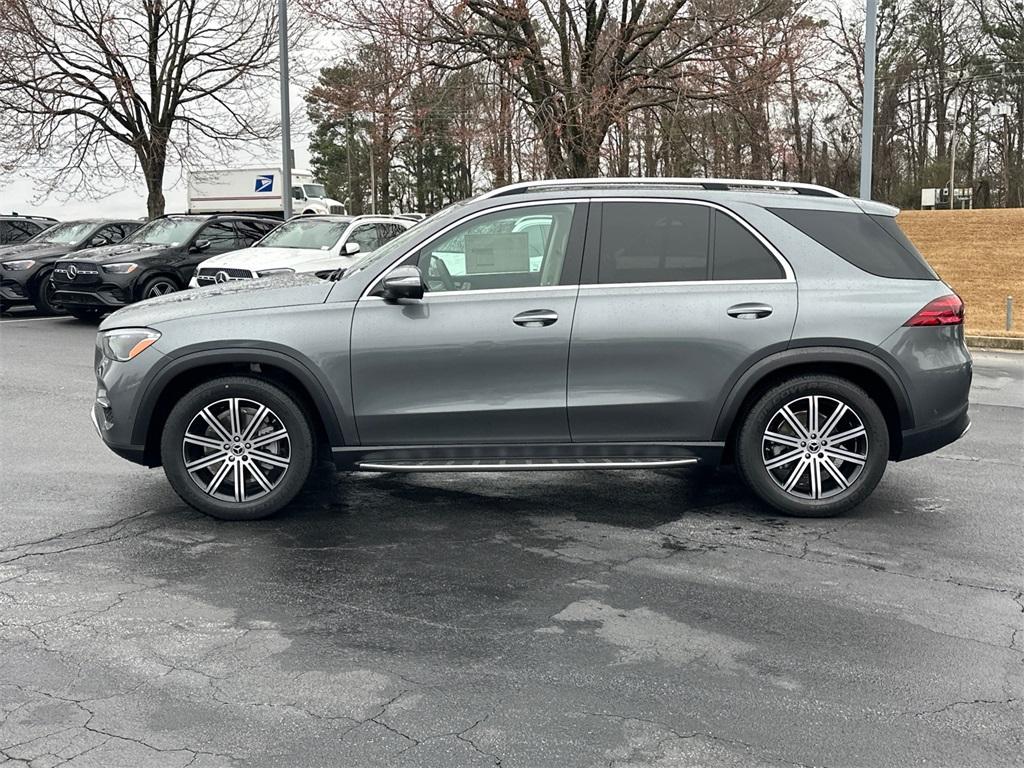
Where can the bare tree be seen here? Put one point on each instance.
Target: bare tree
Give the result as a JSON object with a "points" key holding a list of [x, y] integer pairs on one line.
{"points": [[580, 65], [98, 87]]}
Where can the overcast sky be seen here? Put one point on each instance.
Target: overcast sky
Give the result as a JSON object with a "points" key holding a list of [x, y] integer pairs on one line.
{"points": [[18, 192]]}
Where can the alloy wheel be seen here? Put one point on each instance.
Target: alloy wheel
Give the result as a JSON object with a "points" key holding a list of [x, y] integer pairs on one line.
{"points": [[236, 449], [159, 288], [815, 447]]}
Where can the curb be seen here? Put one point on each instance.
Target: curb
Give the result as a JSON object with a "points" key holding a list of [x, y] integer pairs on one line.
{"points": [[995, 342]]}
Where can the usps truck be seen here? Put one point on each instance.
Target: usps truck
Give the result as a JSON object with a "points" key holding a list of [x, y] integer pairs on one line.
{"points": [[255, 190]]}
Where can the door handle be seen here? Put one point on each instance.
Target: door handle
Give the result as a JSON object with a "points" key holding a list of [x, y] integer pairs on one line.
{"points": [[749, 311], [535, 318]]}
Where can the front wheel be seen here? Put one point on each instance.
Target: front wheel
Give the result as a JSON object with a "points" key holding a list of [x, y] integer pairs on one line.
{"points": [[814, 446], [45, 302], [158, 286], [237, 448]]}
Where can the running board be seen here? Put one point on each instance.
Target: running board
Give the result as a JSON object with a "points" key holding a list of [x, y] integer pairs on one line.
{"points": [[531, 465]]}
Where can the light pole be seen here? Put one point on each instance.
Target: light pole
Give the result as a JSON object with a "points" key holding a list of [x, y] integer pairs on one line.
{"points": [[286, 113], [867, 124]]}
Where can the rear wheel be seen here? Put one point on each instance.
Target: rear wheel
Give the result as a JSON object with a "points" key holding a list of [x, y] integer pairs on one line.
{"points": [[44, 300], [814, 446], [237, 448], [88, 314]]}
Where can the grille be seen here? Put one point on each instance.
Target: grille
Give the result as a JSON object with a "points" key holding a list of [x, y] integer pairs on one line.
{"points": [[208, 275], [337, 209], [80, 274]]}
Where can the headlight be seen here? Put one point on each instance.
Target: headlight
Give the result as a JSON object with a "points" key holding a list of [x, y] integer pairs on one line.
{"points": [[120, 269], [281, 271], [19, 266], [125, 343]]}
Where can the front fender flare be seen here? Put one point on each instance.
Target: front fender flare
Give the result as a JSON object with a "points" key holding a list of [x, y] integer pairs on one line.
{"points": [[190, 358]]}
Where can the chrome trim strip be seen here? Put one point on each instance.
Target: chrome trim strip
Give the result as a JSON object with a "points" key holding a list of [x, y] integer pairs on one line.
{"points": [[490, 467]]}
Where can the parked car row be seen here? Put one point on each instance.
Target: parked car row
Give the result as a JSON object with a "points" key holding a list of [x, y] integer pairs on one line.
{"points": [[93, 266]]}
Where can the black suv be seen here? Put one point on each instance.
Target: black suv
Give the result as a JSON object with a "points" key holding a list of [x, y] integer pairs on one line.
{"points": [[25, 268], [15, 228], [157, 259]]}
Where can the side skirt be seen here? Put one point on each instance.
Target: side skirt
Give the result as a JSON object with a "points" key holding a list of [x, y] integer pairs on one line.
{"points": [[494, 457]]}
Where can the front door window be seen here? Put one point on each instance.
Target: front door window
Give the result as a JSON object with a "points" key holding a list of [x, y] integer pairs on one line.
{"points": [[516, 248]]}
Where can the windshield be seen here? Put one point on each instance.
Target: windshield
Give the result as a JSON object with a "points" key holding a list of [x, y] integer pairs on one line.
{"points": [[69, 233], [393, 248], [322, 234], [314, 190], [167, 231]]}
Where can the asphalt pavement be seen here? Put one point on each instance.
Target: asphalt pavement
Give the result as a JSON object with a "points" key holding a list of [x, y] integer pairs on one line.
{"points": [[630, 618]]}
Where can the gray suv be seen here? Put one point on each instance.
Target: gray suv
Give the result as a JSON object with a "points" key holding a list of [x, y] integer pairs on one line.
{"points": [[584, 324]]}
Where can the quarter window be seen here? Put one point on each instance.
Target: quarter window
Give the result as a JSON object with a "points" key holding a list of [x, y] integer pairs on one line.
{"points": [[516, 248], [654, 242], [739, 255]]}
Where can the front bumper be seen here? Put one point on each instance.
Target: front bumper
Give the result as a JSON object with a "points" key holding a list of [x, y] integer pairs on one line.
{"points": [[119, 388], [111, 298], [14, 287]]}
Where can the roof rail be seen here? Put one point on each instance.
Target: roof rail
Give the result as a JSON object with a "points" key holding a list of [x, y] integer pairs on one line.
{"points": [[749, 185]]}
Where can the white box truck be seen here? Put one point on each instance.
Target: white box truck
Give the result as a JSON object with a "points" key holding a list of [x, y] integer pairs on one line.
{"points": [[255, 190]]}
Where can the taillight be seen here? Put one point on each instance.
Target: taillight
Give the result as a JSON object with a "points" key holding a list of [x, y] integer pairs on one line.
{"points": [[947, 310]]}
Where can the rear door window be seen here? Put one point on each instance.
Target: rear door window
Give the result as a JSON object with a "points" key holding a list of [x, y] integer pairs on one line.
{"points": [[221, 236], [654, 242], [251, 231], [366, 236], [874, 244], [739, 255]]}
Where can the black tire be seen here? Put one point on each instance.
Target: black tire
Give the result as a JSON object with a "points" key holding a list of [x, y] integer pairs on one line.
{"points": [[87, 314], [285, 412], [158, 285], [755, 450], [44, 301]]}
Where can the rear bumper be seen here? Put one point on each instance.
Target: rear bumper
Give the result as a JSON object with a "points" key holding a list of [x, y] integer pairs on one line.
{"points": [[917, 442]]}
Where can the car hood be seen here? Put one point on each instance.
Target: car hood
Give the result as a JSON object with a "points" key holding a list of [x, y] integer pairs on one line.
{"points": [[324, 262], [106, 253], [263, 258], [239, 296], [33, 251]]}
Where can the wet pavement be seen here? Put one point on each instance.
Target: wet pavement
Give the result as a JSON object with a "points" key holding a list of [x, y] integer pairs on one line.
{"points": [[535, 619]]}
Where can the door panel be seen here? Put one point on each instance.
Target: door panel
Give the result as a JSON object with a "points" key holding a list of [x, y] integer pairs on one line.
{"points": [[650, 362], [455, 368]]}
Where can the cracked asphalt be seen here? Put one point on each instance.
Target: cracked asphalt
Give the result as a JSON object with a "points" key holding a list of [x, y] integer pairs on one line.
{"points": [[543, 619]]}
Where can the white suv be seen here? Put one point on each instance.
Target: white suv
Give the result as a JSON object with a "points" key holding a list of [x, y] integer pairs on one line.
{"points": [[303, 244]]}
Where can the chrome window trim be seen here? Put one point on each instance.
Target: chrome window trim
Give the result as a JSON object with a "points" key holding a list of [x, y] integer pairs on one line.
{"points": [[787, 270]]}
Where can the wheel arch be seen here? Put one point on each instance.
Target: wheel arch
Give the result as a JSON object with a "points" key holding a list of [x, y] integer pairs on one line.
{"points": [[183, 373], [863, 368]]}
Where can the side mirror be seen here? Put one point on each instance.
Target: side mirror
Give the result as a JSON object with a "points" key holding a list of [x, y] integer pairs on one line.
{"points": [[199, 246], [404, 283], [351, 248], [98, 242]]}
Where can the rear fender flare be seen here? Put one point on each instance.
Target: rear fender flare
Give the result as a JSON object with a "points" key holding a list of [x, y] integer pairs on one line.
{"points": [[872, 360]]}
